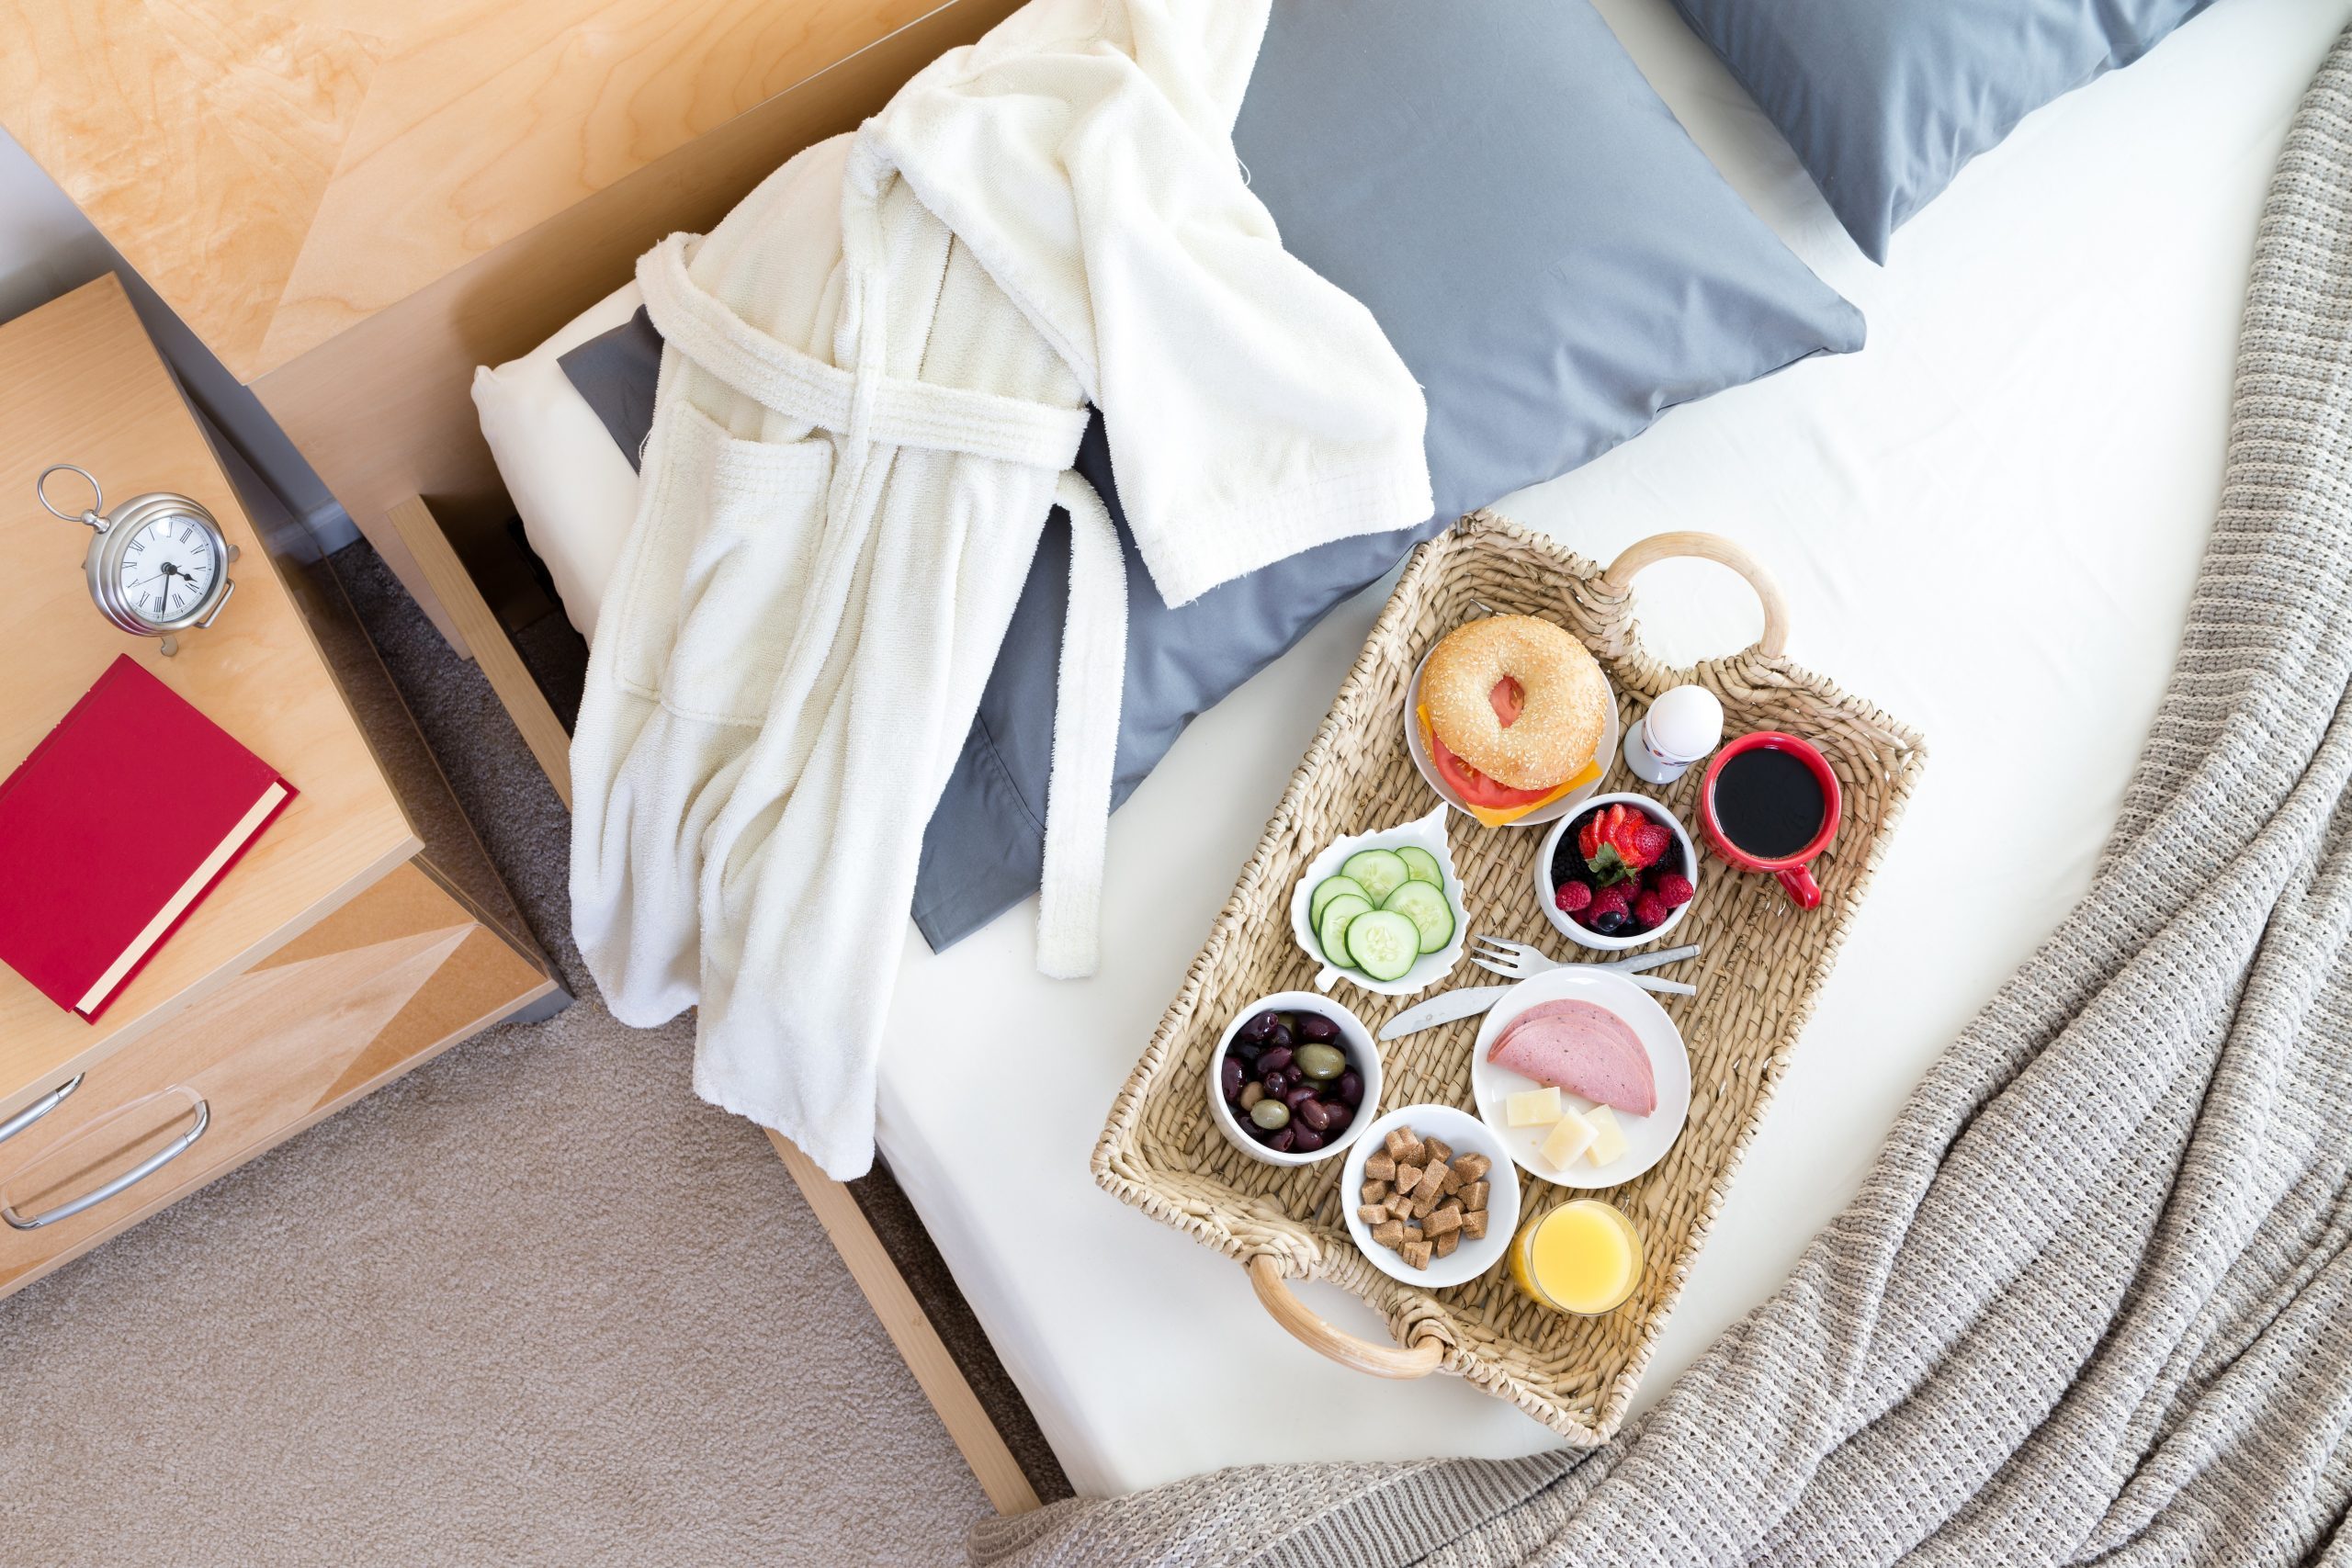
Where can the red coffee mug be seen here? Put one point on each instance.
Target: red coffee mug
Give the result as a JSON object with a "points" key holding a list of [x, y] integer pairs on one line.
{"points": [[1795, 871]]}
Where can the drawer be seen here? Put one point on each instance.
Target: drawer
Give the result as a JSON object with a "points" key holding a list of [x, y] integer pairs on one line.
{"points": [[402, 971]]}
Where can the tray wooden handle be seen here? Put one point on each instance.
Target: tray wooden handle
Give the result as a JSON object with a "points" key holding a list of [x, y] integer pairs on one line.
{"points": [[1416, 1361], [1714, 547]]}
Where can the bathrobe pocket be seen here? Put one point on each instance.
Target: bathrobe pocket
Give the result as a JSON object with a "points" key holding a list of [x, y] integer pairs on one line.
{"points": [[745, 568]]}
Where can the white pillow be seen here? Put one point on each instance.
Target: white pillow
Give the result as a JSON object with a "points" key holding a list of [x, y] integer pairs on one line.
{"points": [[571, 485]]}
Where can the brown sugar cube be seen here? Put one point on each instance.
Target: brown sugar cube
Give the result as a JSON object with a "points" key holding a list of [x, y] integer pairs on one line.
{"points": [[1472, 1167], [1389, 1233], [1373, 1213], [1443, 1220], [1375, 1191], [1474, 1225], [1416, 1253], [1400, 1139], [1415, 1151], [1449, 1180], [1381, 1166], [1451, 1201], [1440, 1150], [1407, 1177], [1446, 1244], [1412, 1229], [1474, 1194]]}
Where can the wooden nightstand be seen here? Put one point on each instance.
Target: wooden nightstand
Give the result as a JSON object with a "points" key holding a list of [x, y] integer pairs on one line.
{"points": [[333, 957]]}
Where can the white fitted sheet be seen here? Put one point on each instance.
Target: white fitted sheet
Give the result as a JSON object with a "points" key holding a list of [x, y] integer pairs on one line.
{"points": [[1988, 522]]}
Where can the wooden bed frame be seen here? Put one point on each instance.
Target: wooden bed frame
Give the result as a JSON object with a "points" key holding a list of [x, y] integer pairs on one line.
{"points": [[440, 188]]}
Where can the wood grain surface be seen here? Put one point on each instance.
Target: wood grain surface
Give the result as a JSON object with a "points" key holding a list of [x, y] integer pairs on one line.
{"points": [[282, 169]]}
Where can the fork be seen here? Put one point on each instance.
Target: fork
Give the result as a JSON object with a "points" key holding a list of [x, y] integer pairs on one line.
{"points": [[1517, 960]]}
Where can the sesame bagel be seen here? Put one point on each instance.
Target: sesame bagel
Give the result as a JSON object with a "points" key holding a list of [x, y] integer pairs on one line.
{"points": [[1563, 700]]}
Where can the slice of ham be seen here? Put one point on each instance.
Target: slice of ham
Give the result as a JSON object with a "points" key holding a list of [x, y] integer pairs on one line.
{"points": [[1582, 1048]]}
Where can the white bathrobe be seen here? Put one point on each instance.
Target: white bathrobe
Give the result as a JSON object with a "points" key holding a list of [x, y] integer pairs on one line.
{"points": [[875, 376]]}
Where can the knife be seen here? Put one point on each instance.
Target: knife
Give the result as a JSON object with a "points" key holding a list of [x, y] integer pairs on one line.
{"points": [[1470, 1000], [1463, 1003]]}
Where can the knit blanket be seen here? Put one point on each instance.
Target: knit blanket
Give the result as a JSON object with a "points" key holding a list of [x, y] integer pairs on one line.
{"points": [[2095, 1299]]}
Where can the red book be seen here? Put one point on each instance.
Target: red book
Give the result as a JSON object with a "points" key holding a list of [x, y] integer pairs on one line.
{"points": [[114, 829]]}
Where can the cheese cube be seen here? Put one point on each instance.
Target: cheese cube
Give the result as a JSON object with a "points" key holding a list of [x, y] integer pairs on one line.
{"points": [[1536, 1108], [1571, 1135], [1609, 1138]]}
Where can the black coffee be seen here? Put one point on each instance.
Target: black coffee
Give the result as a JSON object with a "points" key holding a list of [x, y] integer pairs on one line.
{"points": [[1770, 804]]}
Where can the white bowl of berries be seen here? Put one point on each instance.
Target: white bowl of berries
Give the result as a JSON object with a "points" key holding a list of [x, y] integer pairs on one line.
{"points": [[1618, 873]]}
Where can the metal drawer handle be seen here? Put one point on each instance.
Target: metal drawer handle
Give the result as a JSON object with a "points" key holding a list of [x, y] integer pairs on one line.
{"points": [[38, 1108], [129, 1179]]}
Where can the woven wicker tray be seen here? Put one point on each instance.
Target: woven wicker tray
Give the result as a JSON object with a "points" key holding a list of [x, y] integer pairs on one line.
{"points": [[1764, 962]]}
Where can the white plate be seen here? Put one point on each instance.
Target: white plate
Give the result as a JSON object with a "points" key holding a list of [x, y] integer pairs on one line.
{"points": [[1468, 1135], [1574, 800], [1428, 833], [1646, 1137]]}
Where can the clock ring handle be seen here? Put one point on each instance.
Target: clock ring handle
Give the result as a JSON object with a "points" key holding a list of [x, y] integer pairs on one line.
{"points": [[94, 517], [227, 589]]}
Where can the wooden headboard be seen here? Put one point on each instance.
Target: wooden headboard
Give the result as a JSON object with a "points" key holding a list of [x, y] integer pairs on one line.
{"points": [[355, 202]]}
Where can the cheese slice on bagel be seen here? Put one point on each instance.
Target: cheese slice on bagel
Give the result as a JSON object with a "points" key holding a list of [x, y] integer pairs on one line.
{"points": [[1513, 711], [1474, 789]]}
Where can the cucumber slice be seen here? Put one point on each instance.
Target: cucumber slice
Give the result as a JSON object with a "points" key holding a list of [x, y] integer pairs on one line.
{"points": [[1378, 872], [1331, 930], [1330, 888], [1422, 865], [1427, 907], [1382, 944]]}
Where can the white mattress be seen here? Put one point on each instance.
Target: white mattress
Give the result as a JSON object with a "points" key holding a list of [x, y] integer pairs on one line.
{"points": [[1988, 522]]}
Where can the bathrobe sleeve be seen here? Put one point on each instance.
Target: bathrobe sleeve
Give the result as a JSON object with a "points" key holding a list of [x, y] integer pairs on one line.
{"points": [[1083, 151]]}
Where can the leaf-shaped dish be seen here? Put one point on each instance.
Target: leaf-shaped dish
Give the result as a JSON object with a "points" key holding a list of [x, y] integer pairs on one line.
{"points": [[1428, 833]]}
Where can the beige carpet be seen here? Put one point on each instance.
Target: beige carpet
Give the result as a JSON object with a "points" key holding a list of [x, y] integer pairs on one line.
{"points": [[534, 1304]]}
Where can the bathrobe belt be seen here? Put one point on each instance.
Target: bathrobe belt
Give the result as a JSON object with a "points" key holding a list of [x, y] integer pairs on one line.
{"points": [[896, 411]]}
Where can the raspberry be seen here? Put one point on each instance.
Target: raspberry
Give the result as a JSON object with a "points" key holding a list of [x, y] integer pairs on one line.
{"points": [[1573, 895], [1674, 888], [1608, 901], [1651, 911]]}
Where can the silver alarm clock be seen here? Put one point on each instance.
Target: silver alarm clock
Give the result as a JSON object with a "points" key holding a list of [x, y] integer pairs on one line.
{"points": [[158, 564]]}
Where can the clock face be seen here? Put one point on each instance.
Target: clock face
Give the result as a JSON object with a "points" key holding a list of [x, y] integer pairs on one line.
{"points": [[169, 567]]}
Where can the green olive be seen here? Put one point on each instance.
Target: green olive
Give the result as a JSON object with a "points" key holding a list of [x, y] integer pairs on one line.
{"points": [[1322, 1062], [1270, 1114]]}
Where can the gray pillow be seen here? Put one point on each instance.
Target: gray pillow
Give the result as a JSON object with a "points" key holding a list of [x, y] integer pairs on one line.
{"points": [[1553, 258], [1884, 100]]}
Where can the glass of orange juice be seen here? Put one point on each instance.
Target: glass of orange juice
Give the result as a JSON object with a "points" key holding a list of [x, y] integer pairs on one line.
{"points": [[1583, 1257]]}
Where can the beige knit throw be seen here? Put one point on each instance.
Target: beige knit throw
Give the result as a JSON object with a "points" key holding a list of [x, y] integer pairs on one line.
{"points": [[2095, 1301]]}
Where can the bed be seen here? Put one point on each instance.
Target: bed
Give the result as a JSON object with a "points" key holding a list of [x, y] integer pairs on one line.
{"points": [[1989, 523]]}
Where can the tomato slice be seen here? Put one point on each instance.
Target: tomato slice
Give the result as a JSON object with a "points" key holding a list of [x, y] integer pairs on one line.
{"points": [[1475, 787]]}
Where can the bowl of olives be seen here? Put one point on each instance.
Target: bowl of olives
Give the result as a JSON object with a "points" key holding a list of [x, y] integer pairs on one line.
{"points": [[1294, 1079]]}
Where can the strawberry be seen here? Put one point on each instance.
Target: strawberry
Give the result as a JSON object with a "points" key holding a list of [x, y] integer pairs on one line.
{"points": [[1649, 842], [1588, 837], [1616, 854]]}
